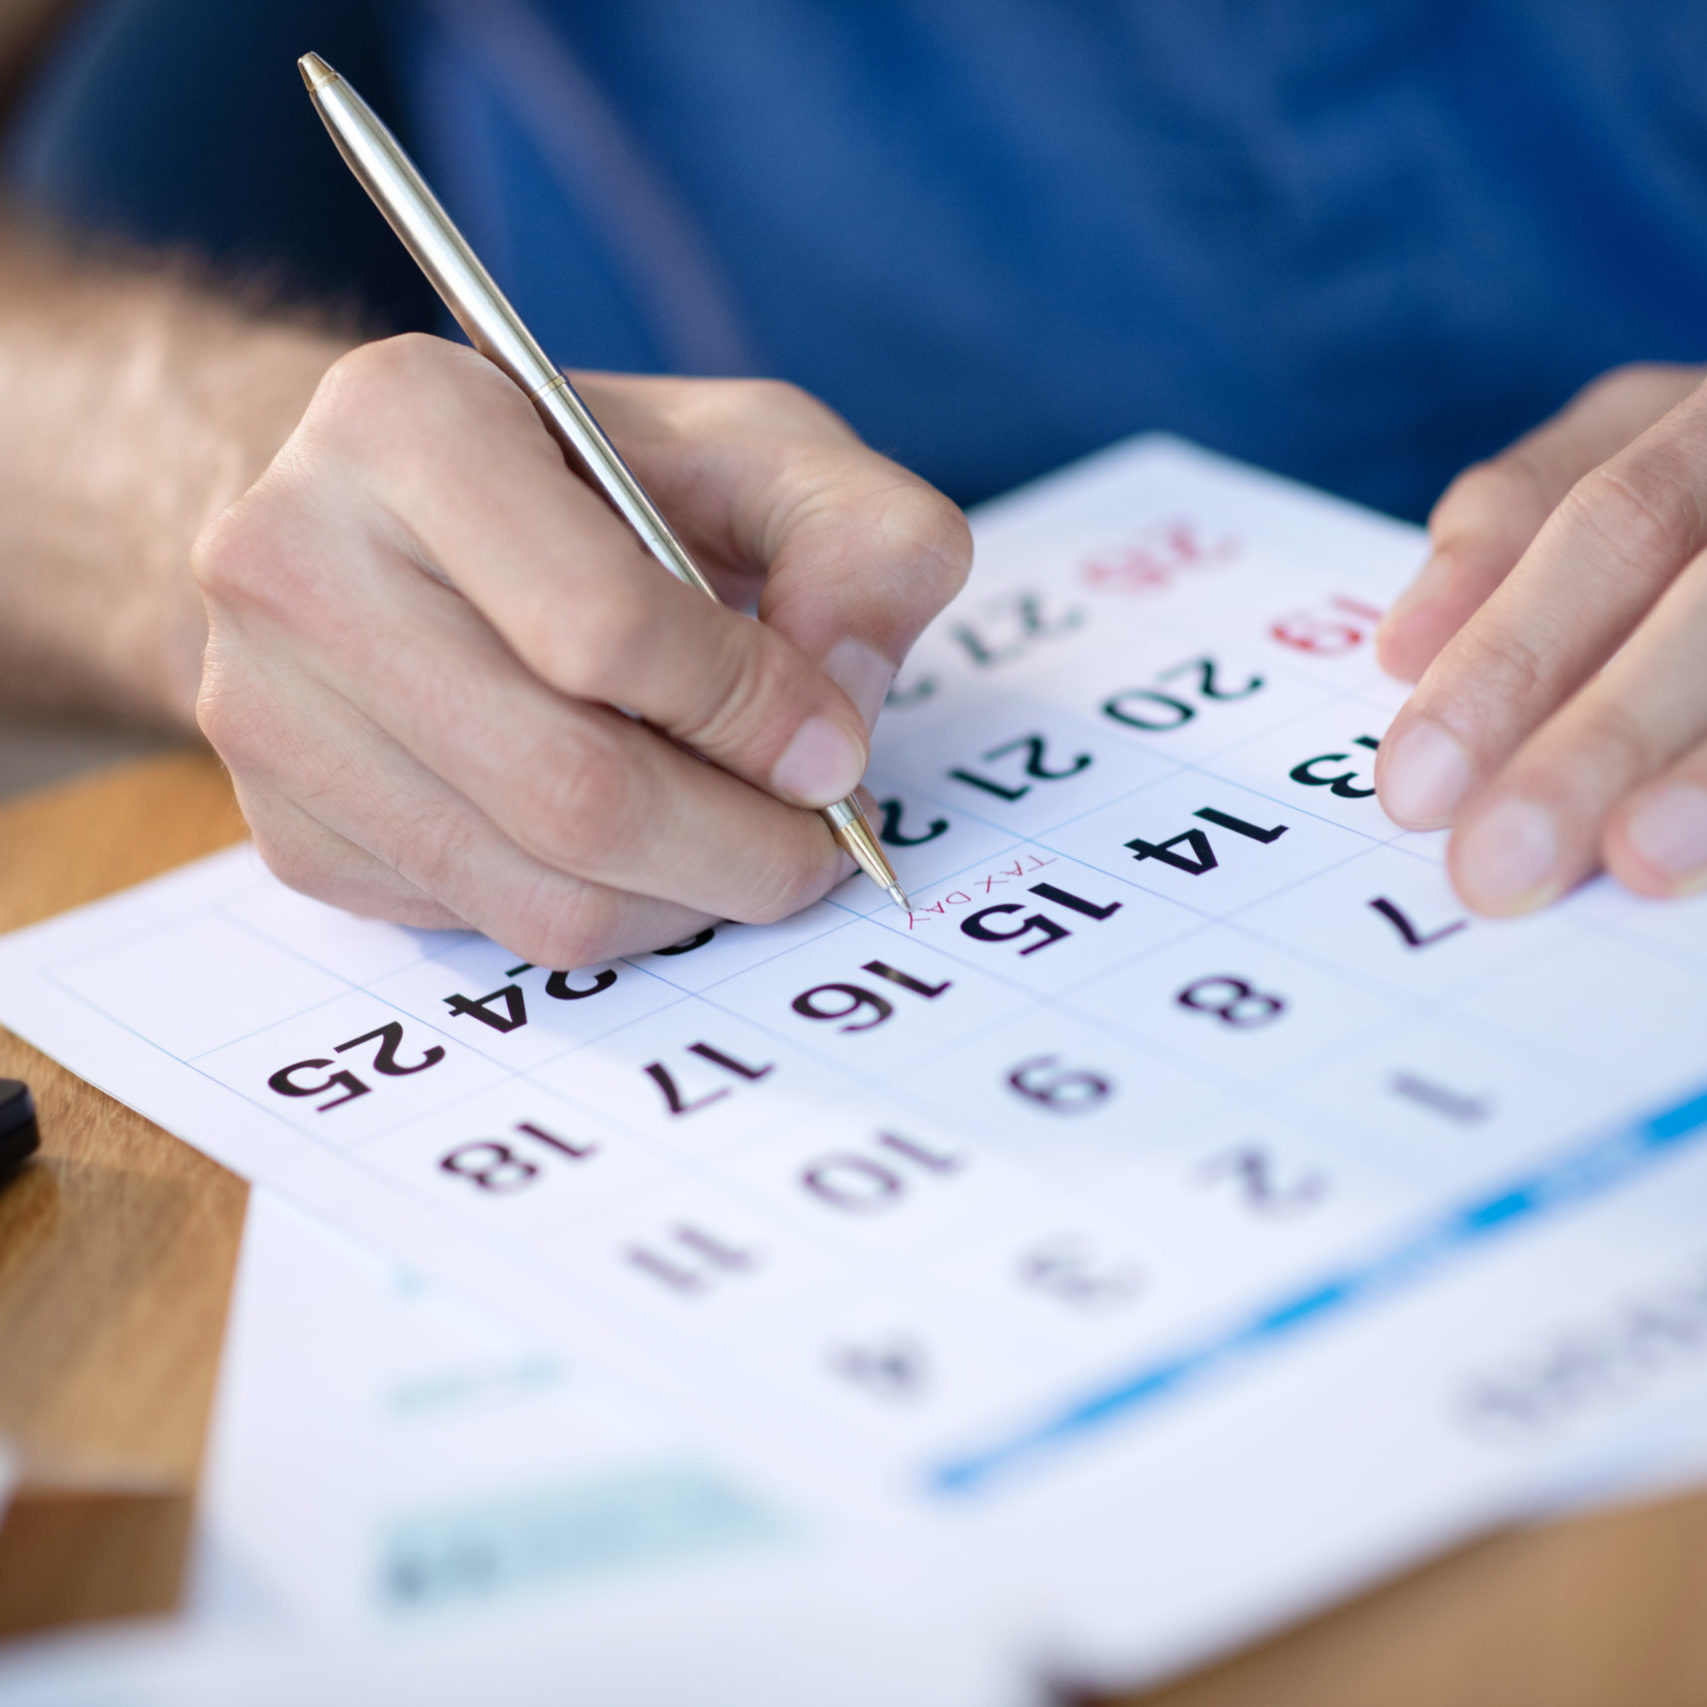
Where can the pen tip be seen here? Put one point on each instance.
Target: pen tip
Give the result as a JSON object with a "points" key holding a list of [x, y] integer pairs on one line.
{"points": [[315, 71], [899, 896]]}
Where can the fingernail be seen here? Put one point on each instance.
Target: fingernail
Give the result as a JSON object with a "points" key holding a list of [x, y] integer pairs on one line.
{"points": [[1506, 859], [1427, 772], [1669, 831], [862, 673], [820, 765]]}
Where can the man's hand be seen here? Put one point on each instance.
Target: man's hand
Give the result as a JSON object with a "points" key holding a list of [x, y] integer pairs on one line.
{"points": [[422, 626], [1560, 634]]}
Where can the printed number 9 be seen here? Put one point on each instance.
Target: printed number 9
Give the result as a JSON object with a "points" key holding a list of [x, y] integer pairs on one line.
{"points": [[1061, 1090]]}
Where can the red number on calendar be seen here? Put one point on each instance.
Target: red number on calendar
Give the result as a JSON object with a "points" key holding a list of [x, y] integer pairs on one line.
{"points": [[1330, 630], [1152, 560]]}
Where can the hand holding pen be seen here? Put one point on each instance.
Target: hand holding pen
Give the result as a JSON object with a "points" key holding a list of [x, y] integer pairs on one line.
{"points": [[422, 624]]}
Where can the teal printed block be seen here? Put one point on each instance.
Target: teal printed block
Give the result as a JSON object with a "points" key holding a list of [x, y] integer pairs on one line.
{"points": [[584, 1529]]}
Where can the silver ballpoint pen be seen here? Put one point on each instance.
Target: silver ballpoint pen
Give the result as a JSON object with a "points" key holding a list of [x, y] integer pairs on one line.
{"points": [[497, 332]]}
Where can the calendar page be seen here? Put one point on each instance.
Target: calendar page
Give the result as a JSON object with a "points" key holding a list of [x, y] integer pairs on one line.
{"points": [[1187, 1212]]}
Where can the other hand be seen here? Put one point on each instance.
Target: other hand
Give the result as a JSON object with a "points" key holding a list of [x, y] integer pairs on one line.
{"points": [[1559, 631], [422, 625]]}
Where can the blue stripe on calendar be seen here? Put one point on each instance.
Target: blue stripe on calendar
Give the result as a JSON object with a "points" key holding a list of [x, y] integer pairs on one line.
{"points": [[1578, 1176]]}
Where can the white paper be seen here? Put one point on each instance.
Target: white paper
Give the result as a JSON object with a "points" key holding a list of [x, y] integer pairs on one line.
{"points": [[1169, 1226], [832, 1642]]}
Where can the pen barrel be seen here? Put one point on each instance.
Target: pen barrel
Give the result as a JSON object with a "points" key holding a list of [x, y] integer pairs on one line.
{"points": [[571, 423], [411, 209]]}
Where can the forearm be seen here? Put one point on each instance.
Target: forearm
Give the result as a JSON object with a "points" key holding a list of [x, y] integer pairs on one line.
{"points": [[134, 406]]}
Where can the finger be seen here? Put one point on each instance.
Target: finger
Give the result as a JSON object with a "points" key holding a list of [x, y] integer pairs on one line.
{"points": [[306, 856], [481, 496], [579, 787], [857, 554], [1488, 517], [1656, 843], [1539, 826], [368, 792], [1601, 560]]}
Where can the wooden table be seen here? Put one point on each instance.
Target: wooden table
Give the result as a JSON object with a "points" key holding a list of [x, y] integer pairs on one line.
{"points": [[116, 1254]]}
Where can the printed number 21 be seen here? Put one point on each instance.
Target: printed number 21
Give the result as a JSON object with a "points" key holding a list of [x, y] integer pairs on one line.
{"points": [[1034, 747]]}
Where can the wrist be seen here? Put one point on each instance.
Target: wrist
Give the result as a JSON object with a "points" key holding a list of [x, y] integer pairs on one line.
{"points": [[137, 406]]}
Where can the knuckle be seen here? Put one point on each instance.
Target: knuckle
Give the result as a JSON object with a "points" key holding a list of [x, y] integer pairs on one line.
{"points": [[1511, 670], [222, 556], [219, 717], [701, 410], [777, 403], [232, 557], [384, 402], [238, 723], [787, 879], [591, 644], [302, 863], [294, 865], [1645, 510], [1508, 486], [929, 533], [411, 363], [749, 675], [557, 923], [262, 558], [1613, 747], [367, 384], [429, 847], [575, 803]]}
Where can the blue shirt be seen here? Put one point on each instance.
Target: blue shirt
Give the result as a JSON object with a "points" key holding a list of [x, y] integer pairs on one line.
{"points": [[1362, 243]]}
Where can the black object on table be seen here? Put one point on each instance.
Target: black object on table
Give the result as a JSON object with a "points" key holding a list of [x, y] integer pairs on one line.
{"points": [[18, 1134]]}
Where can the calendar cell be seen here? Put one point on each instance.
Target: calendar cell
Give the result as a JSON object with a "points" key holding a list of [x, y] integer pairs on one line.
{"points": [[1443, 1107], [1238, 1005], [1200, 704], [517, 1162], [890, 1188], [1322, 763], [1057, 1092], [926, 839], [719, 951], [1677, 929], [1040, 920], [1207, 844], [692, 1259], [1022, 767], [518, 1014], [695, 1079], [357, 950], [1394, 920], [1647, 1008], [350, 1069], [179, 987], [870, 1000]]}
